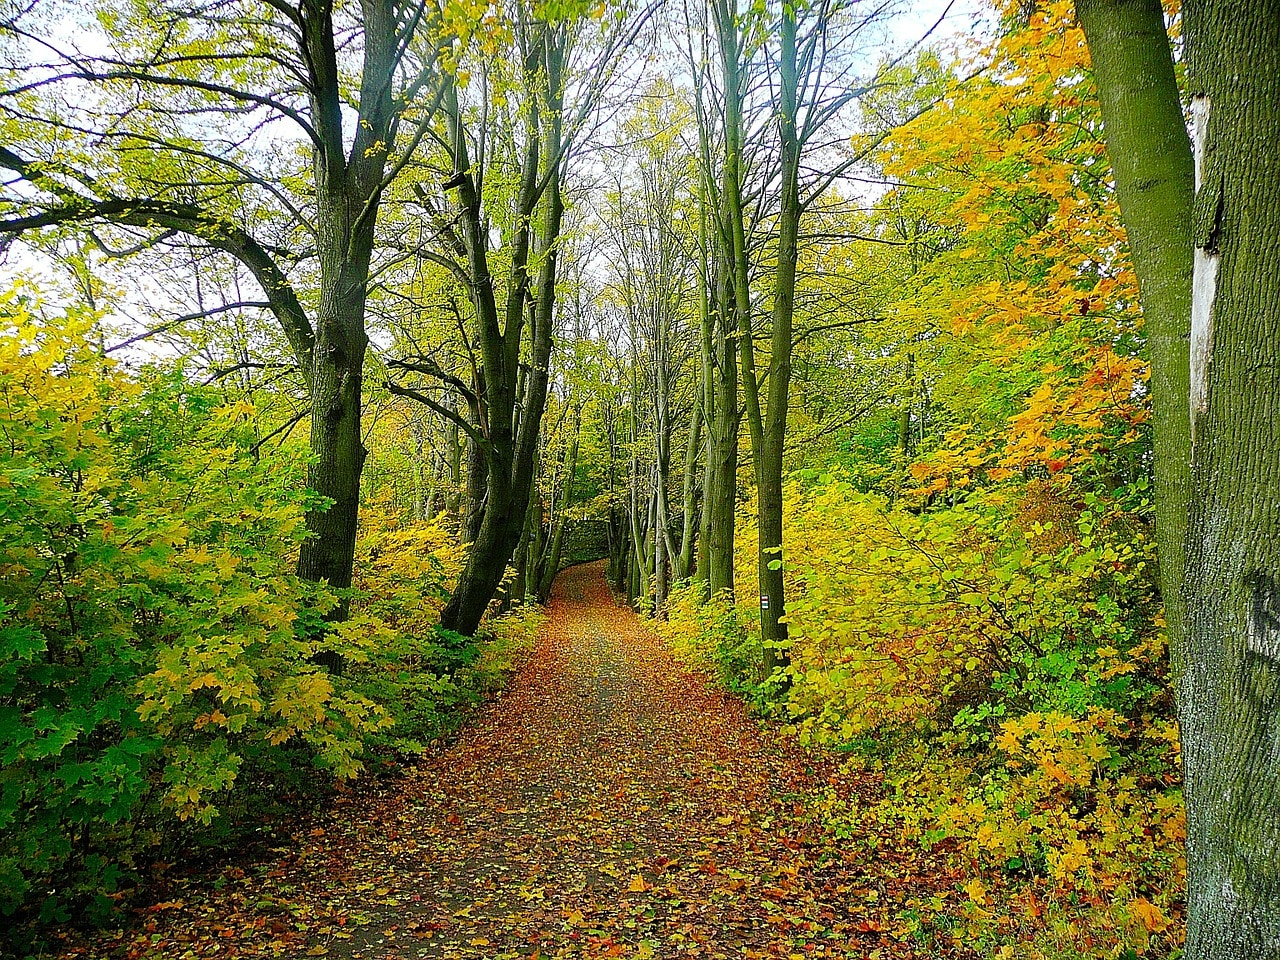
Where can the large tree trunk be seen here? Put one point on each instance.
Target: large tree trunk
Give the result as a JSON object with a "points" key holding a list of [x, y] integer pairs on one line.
{"points": [[1229, 649], [491, 549], [337, 450], [1229, 695], [348, 192], [1151, 157], [514, 415], [722, 453]]}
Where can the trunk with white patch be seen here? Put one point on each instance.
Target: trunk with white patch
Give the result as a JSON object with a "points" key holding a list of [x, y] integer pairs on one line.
{"points": [[1229, 694]]}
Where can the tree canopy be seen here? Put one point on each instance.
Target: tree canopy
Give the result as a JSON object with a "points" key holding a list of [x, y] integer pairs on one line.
{"points": [[909, 365]]}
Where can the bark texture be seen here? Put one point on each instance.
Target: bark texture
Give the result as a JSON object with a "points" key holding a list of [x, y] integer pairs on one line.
{"points": [[1229, 694], [348, 193]]}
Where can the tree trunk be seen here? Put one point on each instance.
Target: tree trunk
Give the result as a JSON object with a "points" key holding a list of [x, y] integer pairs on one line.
{"points": [[683, 563], [473, 501], [514, 415], [560, 519], [337, 450], [454, 501], [528, 553], [639, 543], [348, 192], [732, 307], [722, 455], [707, 380], [662, 461], [769, 451], [620, 544], [908, 404], [1229, 693], [338, 453], [659, 554], [1151, 157]]}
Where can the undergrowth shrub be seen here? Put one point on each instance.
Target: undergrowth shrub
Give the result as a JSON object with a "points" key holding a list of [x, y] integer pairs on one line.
{"points": [[424, 675], [150, 622], [715, 636], [158, 680], [997, 665]]}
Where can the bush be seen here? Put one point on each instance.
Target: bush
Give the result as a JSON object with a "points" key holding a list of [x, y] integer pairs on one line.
{"points": [[150, 641], [425, 676], [712, 636], [998, 664]]}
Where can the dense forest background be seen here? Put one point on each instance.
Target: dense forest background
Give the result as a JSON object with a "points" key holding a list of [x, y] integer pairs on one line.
{"points": [[332, 332]]}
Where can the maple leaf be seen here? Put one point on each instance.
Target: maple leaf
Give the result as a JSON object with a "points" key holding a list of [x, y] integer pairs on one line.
{"points": [[1148, 914]]}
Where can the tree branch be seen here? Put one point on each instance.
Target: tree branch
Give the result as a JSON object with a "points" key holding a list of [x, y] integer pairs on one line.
{"points": [[179, 321], [481, 441], [429, 367], [218, 233]]}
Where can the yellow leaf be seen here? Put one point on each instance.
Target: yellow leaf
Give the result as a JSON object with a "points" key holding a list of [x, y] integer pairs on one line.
{"points": [[977, 891], [1148, 914], [637, 885]]}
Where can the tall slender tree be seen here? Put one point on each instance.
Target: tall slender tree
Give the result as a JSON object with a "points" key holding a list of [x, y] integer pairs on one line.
{"points": [[561, 71]]}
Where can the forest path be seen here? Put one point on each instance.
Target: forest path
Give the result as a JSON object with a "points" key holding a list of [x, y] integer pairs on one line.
{"points": [[608, 804]]}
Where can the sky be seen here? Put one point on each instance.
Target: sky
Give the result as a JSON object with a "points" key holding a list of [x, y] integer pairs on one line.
{"points": [[959, 18]]}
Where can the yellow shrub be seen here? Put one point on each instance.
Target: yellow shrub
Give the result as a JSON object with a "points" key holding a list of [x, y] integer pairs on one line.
{"points": [[998, 664]]}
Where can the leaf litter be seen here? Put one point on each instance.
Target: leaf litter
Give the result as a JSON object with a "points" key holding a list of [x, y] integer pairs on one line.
{"points": [[609, 804]]}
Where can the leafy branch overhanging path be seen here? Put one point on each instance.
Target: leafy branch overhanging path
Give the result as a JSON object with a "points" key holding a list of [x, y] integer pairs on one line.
{"points": [[608, 805]]}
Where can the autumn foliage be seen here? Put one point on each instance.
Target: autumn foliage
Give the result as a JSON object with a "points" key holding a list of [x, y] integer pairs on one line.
{"points": [[967, 747], [977, 623], [160, 663]]}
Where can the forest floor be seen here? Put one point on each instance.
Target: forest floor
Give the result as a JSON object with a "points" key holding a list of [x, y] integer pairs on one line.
{"points": [[609, 804]]}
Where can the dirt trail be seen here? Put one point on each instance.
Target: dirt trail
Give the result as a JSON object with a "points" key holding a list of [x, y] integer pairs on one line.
{"points": [[607, 805]]}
